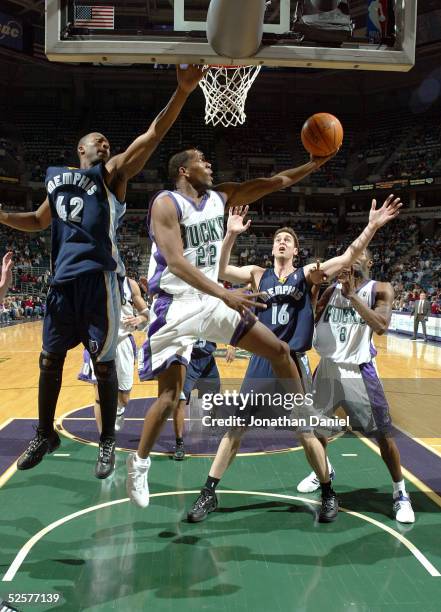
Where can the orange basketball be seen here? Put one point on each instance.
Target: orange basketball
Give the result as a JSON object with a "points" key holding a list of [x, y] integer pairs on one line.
{"points": [[322, 134]]}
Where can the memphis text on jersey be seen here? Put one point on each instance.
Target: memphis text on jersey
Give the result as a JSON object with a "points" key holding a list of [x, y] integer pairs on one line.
{"points": [[72, 178]]}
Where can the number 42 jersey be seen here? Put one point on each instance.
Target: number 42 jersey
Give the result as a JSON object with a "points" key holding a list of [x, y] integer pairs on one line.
{"points": [[85, 219]]}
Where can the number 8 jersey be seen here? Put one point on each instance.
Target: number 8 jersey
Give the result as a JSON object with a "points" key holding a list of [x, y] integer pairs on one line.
{"points": [[202, 232], [341, 334], [85, 218]]}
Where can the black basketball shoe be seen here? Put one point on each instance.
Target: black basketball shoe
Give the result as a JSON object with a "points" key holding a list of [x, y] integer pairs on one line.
{"points": [[41, 445], [205, 503], [105, 463], [329, 509], [179, 453]]}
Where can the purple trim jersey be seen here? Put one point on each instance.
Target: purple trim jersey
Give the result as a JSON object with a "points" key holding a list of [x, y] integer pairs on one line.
{"points": [[341, 334], [202, 232]]}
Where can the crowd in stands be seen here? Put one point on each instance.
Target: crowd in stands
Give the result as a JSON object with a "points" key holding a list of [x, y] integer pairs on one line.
{"points": [[392, 145], [20, 308]]}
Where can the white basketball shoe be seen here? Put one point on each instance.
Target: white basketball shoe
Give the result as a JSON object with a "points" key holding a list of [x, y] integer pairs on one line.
{"points": [[137, 484], [311, 483], [402, 508]]}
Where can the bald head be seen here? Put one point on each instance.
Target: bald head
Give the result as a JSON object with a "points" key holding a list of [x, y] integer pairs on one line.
{"points": [[92, 149]]}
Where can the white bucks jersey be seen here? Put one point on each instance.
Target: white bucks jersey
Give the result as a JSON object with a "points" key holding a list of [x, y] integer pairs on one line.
{"points": [[202, 232], [126, 309], [341, 334]]}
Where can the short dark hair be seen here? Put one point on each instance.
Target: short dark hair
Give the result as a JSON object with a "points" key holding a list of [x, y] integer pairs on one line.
{"points": [[291, 232], [179, 159]]}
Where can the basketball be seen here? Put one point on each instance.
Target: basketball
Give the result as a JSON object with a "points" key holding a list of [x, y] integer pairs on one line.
{"points": [[322, 134]]}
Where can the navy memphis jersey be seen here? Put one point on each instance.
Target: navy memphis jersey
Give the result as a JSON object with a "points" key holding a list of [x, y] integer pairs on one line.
{"points": [[85, 219], [289, 312]]}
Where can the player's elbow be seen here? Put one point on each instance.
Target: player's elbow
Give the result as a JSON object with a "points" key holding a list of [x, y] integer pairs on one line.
{"points": [[175, 265]]}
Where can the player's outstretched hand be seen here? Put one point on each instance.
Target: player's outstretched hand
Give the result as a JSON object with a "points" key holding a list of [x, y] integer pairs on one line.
{"points": [[6, 276], [320, 161], [236, 218], [316, 275], [390, 210], [241, 300], [189, 76]]}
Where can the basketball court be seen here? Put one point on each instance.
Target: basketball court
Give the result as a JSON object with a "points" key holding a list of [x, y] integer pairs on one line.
{"points": [[262, 549], [71, 542]]}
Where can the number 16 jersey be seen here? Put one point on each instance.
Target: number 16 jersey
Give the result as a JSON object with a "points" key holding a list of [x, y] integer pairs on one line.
{"points": [[288, 312], [202, 232]]}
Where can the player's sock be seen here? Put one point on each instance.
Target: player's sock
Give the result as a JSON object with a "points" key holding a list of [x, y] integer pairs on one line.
{"points": [[179, 441], [140, 461], [49, 385], [211, 484], [107, 381], [326, 488], [399, 486]]}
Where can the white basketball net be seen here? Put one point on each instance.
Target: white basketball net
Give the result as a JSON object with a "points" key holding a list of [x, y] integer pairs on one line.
{"points": [[225, 89]]}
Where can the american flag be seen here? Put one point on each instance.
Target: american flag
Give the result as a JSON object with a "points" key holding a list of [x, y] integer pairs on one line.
{"points": [[95, 17]]}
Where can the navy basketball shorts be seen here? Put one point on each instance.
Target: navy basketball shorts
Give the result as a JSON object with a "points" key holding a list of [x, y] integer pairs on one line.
{"points": [[85, 310], [357, 389], [203, 375], [268, 396]]}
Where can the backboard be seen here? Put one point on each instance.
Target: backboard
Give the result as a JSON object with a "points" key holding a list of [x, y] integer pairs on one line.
{"points": [[174, 31]]}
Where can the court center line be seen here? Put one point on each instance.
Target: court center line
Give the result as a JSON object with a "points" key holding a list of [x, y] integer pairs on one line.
{"points": [[26, 548]]}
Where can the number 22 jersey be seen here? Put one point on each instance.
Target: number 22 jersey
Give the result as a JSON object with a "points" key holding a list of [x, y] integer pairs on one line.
{"points": [[202, 232]]}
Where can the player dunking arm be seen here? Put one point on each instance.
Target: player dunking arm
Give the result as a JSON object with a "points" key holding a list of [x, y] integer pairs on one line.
{"points": [[6, 275], [125, 351], [347, 315], [186, 227], [84, 207], [287, 293]]}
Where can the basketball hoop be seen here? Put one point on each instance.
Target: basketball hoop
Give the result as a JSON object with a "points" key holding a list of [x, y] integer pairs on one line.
{"points": [[225, 89]]}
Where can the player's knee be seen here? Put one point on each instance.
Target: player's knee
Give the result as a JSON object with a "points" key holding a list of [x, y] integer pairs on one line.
{"points": [[51, 363], [281, 352], [104, 370]]}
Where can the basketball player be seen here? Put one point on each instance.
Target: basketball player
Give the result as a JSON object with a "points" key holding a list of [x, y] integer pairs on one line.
{"points": [[186, 227], [347, 315], [6, 275], [125, 352], [289, 314], [84, 207]]}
